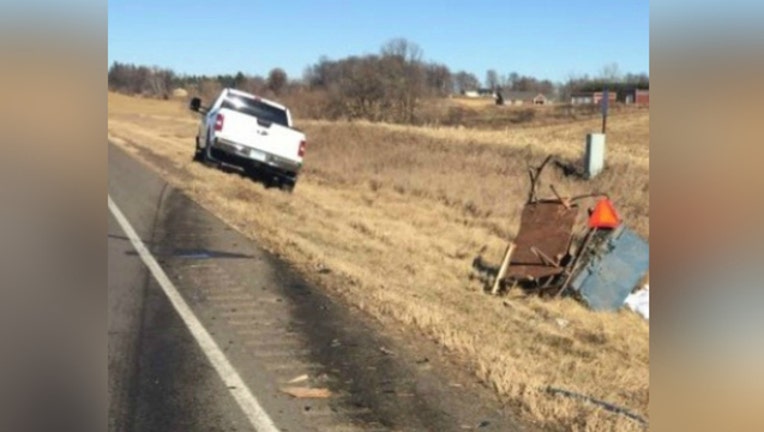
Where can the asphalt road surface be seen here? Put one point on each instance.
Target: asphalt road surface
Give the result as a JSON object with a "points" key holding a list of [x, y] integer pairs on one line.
{"points": [[208, 338]]}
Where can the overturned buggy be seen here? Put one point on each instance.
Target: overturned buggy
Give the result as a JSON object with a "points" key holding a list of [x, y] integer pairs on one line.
{"points": [[600, 269]]}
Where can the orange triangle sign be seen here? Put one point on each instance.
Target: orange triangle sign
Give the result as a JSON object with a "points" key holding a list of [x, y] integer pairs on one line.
{"points": [[604, 215]]}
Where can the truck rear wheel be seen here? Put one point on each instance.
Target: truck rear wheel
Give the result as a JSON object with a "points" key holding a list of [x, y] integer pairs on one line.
{"points": [[205, 154], [198, 153], [287, 185]]}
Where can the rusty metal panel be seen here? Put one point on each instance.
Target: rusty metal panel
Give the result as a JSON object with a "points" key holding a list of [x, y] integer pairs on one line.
{"points": [[519, 271], [547, 227]]}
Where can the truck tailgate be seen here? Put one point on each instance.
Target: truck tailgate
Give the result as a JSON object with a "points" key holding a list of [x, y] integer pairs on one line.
{"points": [[271, 138]]}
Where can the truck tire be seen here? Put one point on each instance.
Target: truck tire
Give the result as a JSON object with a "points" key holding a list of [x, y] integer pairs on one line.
{"points": [[252, 173], [205, 154], [287, 186], [198, 153]]}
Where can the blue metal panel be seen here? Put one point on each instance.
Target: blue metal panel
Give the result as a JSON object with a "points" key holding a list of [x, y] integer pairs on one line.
{"points": [[613, 271]]}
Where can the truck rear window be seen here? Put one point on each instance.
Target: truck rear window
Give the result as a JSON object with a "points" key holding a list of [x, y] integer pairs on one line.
{"points": [[252, 107]]}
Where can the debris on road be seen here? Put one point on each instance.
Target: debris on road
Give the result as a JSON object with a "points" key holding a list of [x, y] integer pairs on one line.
{"points": [[298, 379], [600, 270], [307, 392]]}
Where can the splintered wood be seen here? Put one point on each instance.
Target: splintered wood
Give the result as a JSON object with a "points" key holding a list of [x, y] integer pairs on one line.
{"points": [[307, 392], [503, 269]]}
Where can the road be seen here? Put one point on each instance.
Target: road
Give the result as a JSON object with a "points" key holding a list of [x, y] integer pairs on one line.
{"points": [[267, 327]]}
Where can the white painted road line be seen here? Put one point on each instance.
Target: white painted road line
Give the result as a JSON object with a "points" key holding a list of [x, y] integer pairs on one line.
{"points": [[244, 397]]}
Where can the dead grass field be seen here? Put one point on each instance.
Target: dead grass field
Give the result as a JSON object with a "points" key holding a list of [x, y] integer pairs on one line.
{"points": [[397, 213]]}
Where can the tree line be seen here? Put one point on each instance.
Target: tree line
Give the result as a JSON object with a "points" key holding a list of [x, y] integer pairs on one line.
{"points": [[160, 82], [610, 77], [133, 79], [389, 85]]}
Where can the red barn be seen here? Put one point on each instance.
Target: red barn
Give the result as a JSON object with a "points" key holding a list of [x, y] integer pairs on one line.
{"points": [[636, 96], [642, 97], [597, 97]]}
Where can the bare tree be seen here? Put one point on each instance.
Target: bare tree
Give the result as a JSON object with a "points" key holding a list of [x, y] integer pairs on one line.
{"points": [[611, 73], [407, 50], [277, 79], [491, 79], [119, 76], [512, 80], [362, 89], [404, 77], [466, 81], [239, 81], [209, 90], [158, 82], [256, 84], [439, 79]]}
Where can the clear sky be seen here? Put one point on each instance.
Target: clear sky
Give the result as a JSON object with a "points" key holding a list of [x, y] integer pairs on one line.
{"points": [[543, 38]]}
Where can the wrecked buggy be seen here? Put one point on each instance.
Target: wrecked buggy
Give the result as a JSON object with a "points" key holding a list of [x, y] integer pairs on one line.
{"points": [[601, 269]]}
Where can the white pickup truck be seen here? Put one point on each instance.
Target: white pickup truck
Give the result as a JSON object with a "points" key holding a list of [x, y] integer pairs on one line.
{"points": [[250, 132]]}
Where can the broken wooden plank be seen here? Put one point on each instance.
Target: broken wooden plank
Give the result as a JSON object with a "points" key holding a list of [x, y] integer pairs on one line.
{"points": [[297, 379], [503, 269], [307, 392]]}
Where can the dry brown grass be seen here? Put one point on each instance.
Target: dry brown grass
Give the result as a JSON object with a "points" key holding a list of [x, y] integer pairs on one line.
{"points": [[398, 212]]}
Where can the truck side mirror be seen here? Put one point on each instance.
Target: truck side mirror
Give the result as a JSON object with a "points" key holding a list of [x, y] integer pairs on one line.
{"points": [[195, 104]]}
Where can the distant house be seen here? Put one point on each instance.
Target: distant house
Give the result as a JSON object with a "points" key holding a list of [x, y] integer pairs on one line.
{"points": [[592, 98], [521, 98], [597, 97], [642, 97], [582, 98], [636, 96], [481, 92]]}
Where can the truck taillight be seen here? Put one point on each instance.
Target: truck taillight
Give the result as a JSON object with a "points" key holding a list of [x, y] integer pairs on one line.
{"points": [[301, 152], [219, 122]]}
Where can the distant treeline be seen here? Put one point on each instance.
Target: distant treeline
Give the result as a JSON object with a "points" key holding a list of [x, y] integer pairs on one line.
{"points": [[628, 82], [387, 86]]}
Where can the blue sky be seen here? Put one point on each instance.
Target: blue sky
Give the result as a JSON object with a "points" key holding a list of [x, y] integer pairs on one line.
{"points": [[542, 38]]}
